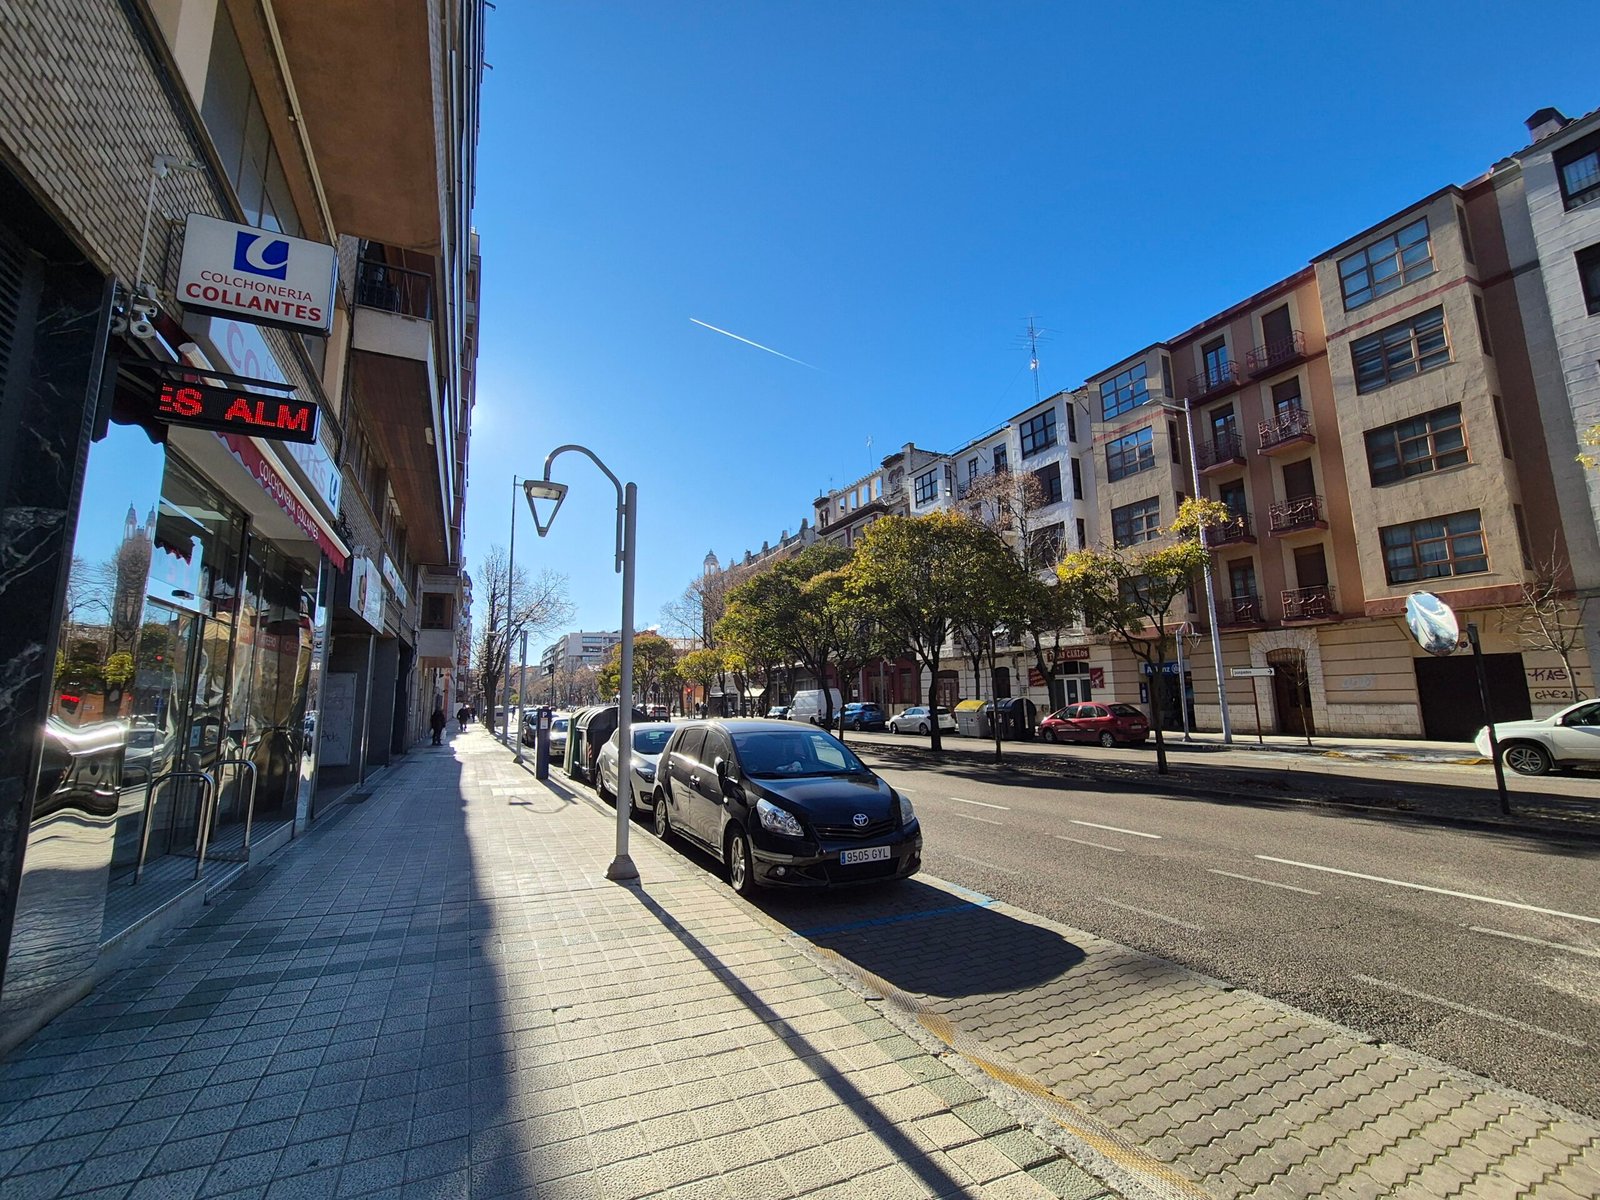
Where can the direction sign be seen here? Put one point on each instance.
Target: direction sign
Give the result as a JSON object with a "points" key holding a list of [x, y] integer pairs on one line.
{"points": [[1250, 672]]}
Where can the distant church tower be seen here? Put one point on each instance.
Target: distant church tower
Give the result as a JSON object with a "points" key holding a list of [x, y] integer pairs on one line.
{"points": [[712, 566]]}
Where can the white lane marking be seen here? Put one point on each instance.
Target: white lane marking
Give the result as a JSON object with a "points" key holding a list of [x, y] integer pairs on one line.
{"points": [[975, 817], [1119, 829], [1288, 887], [981, 804], [1422, 887], [1533, 941], [1387, 986], [978, 862], [1150, 913], [1096, 845]]}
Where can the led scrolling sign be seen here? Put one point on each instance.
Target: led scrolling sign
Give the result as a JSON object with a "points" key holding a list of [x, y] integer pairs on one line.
{"points": [[232, 404]]}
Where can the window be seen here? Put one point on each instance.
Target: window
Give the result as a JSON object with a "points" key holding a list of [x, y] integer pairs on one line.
{"points": [[1136, 522], [238, 128], [1072, 423], [1483, 325], [1215, 356], [1578, 170], [1132, 454], [1286, 397], [1174, 444], [1039, 433], [972, 468], [1588, 260], [1432, 442], [1000, 461], [927, 486], [1385, 265], [1400, 351], [1049, 478], [1435, 548], [1044, 546], [1126, 391], [1077, 480], [1083, 534], [437, 610]]}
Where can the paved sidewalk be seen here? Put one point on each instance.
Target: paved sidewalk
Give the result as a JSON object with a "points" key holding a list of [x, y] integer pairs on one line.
{"points": [[439, 995]]}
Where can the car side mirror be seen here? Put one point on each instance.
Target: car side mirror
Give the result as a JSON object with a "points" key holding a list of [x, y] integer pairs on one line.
{"points": [[726, 771]]}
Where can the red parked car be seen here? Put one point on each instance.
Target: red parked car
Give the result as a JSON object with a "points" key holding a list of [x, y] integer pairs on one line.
{"points": [[1108, 724]]}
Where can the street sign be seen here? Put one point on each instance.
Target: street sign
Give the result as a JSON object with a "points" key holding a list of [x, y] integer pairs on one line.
{"points": [[1250, 672]]}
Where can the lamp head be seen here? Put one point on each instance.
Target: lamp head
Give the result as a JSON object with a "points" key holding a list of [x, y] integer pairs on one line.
{"points": [[546, 494]]}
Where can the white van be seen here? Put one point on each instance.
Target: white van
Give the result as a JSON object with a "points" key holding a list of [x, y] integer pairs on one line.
{"points": [[808, 706]]}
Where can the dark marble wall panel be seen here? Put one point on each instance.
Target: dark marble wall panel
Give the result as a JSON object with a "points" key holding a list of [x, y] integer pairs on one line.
{"points": [[50, 387]]}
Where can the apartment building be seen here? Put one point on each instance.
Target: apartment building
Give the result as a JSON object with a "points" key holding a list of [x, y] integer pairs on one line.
{"points": [[842, 515], [582, 648], [192, 199], [1373, 426]]}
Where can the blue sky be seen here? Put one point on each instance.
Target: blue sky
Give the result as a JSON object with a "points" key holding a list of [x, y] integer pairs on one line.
{"points": [[887, 192]]}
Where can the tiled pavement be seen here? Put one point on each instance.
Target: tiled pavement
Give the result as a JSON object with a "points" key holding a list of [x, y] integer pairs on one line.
{"points": [[439, 995]]}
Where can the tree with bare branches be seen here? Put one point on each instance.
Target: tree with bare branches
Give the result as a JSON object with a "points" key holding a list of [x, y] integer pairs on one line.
{"points": [[537, 605], [1547, 617]]}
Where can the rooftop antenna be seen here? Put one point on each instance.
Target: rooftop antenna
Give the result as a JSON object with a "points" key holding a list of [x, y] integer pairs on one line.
{"points": [[1030, 340]]}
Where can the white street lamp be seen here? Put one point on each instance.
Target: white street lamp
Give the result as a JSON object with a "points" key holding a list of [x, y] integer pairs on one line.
{"points": [[1187, 410], [546, 491]]}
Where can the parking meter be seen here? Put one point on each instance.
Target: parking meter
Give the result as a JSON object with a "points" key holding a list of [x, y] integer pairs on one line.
{"points": [[541, 754]]}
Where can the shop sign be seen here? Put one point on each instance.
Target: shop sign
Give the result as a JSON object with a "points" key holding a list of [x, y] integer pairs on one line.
{"points": [[391, 576], [366, 591], [246, 353], [1072, 654], [274, 484], [1097, 677], [257, 275], [230, 406]]}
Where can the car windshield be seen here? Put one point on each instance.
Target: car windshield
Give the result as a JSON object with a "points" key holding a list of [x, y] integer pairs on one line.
{"points": [[772, 753], [651, 739], [1125, 710], [558, 725]]}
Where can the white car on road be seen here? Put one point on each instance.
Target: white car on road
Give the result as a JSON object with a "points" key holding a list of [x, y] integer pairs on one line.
{"points": [[915, 720], [1569, 738]]}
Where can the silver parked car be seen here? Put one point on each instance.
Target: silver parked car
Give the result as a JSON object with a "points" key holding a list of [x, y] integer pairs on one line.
{"points": [[648, 742], [1569, 738], [916, 720]]}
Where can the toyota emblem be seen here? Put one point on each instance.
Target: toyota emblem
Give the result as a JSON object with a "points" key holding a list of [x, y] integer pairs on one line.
{"points": [[860, 820]]}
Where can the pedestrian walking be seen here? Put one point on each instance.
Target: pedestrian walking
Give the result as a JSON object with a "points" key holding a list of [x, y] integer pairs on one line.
{"points": [[438, 722], [461, 718]]}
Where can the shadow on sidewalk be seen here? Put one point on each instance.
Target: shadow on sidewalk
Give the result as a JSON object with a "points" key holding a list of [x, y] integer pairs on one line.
{"points": [[927, 940], [937, 1181]]}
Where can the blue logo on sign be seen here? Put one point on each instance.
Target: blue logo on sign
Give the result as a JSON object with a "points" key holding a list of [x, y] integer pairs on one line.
{"points": [[261, 254]]}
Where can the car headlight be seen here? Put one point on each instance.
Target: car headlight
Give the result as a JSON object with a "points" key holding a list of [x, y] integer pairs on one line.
{"points": [[646, 770], [907, 813], [778, 820]]}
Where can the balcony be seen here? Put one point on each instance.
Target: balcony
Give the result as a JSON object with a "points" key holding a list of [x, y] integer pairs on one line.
{"points": [[394, 289], [1291, 427], [1299, 515], [1239, 611], [1220, 378], [1221, 452], [1275, 355], [1309, 604], [1233, 532]]}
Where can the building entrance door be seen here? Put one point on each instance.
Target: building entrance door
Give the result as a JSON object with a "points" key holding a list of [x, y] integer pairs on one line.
{"points": [[1291, 692]]}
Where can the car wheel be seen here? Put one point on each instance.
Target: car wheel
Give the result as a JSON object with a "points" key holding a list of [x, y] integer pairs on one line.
{"points": [[1107, 740], [1526, 758], [856, 726], [741, 872], [893, 728], [1051, 736], [922, 728], [600, 788], [663, 822]]}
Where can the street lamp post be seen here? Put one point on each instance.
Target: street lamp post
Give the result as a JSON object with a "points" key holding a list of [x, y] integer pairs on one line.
{"points": [[1211, 590], [511, 574], [627, 528]]}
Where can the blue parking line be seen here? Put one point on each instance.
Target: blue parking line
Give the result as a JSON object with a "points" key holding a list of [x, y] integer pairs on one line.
{"points": [[870, 922]]}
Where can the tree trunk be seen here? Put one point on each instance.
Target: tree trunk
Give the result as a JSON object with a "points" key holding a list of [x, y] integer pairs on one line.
{"points": [[996, 721], [1157, 687], [937, 743]]}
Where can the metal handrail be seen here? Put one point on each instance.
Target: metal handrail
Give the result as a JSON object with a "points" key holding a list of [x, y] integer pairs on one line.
{"points": [[250, 809], [149, 801]]}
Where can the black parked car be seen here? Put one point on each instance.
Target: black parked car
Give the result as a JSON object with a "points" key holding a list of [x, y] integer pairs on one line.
{"points": [[864, 716], [783, 806]]}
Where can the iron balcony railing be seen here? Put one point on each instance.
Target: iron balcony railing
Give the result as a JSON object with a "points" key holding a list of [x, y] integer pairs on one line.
{"points": [[1309, 603], [1222, 375], [1240, 610], [1273, 354], [394, 289], [1222, 449], [1303, 512], [1235, 529], [1288, 425]]}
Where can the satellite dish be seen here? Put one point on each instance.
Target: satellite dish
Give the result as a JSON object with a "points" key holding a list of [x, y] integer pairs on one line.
{"points": [[1432, 623]]}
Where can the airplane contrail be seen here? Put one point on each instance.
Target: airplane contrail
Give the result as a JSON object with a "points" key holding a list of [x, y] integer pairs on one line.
{"points": [[748, 342]]}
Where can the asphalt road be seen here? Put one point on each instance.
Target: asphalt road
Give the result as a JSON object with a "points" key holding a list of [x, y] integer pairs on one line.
{"points": [[1479, 948]]}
